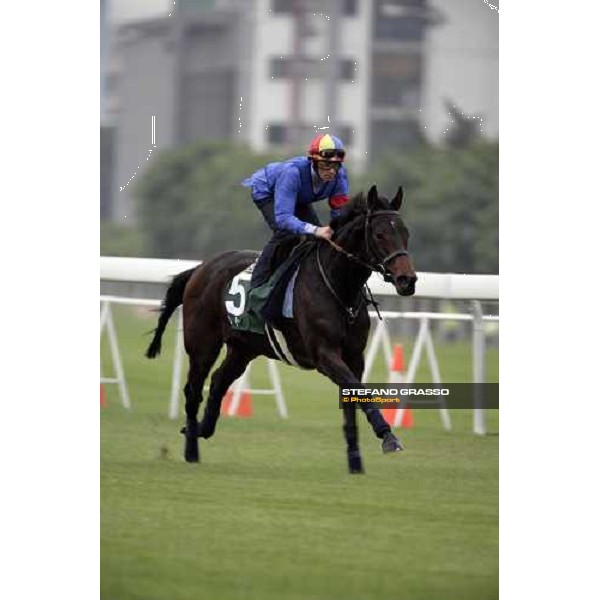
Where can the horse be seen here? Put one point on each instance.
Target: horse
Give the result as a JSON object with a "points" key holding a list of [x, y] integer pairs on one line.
{"points": [[330, 322]]}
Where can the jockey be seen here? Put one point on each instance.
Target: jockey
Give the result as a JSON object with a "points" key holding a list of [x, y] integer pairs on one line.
{"points": [[284, 192]]}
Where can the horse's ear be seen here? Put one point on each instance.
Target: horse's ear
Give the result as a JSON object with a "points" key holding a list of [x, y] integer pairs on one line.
{"points": [[397, 200], [372, 198]]}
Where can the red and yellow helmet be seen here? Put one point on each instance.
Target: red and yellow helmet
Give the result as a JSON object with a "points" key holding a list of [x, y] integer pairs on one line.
{"points": [[327, 147]]}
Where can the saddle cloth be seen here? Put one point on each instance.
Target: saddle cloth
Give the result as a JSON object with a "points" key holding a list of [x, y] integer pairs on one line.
{"points": [[249, 310], [245, 313]]}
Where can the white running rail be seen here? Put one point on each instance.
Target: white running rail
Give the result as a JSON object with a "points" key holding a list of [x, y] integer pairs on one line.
{"points": [[430, 285]]}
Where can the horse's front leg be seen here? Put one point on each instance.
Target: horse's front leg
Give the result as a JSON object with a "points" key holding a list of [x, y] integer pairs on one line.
{"points": [[351, 435], [331, 364], [356, 364], [390, 442]]}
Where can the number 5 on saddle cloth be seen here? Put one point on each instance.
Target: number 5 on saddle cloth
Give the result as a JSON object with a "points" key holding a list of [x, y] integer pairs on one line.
{"points": [[249, 310]]}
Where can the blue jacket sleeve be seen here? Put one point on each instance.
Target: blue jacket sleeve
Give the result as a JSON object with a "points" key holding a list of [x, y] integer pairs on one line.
{"points": [[287, 189], [340, 195]]}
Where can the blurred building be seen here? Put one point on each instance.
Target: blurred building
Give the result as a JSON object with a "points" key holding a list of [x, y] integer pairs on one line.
{"points": [[106, 130], [461, 67], [274, 72]]}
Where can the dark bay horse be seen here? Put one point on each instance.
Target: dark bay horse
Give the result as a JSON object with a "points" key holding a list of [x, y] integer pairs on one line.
{"points": [[330, 326]]}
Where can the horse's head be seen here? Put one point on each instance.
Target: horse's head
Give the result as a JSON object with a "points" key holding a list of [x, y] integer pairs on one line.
{"points": [[386, 241]]}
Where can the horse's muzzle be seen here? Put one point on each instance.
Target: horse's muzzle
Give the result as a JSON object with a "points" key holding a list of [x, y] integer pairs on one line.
{"points": [[405, 284]]}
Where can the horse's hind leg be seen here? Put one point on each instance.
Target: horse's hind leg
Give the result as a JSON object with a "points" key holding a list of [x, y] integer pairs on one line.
{"points": [[200, 365], [231, 368]]}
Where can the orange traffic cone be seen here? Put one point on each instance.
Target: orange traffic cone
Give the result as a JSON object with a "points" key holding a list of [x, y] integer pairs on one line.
{"points": [[102, 396], [244, 408], [397, 365], [397, 375]]}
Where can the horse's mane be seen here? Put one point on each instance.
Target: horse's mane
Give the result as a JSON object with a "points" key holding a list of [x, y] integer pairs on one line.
{"points": [[356, 208]]}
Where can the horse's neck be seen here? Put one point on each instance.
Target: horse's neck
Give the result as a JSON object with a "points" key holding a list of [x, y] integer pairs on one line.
{"points": [[347, 276]]}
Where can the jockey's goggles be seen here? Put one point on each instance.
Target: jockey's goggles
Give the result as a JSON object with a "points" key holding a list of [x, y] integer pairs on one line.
{"points": [[331, 154], [329, 164]]}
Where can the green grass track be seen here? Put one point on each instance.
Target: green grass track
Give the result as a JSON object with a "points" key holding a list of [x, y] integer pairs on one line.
{"points": [[271, 513]]}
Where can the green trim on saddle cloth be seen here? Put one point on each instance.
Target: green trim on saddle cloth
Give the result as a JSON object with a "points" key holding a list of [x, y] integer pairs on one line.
{"points": [[239, 297], [245, 307]]}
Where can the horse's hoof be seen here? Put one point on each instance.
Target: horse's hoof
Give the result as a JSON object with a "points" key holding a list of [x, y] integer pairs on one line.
{"points": [[391, 443], [355, 463], [192, 450]]}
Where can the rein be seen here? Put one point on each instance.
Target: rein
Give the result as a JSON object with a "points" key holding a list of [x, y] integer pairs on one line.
{"points": [[379, 267], [351, 311]]}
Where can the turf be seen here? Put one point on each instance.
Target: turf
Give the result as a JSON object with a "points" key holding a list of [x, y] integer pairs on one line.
{"points": [[271, 512]]}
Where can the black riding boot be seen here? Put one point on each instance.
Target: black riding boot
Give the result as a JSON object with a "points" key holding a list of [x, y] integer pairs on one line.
{"points": [[262, 268], [261, 272]]}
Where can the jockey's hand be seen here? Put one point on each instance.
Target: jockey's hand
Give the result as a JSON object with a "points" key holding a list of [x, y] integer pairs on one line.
{"points": [[324, 232]]}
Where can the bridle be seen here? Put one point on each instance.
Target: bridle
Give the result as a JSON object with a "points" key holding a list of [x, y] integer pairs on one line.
{"points": [[379, 265]]}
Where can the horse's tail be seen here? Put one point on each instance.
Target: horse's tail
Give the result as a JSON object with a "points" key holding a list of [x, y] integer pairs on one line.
{"points": [[173, 298]]}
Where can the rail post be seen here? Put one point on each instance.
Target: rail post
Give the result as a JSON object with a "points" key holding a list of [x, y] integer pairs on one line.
{"points": [[478, 368]]}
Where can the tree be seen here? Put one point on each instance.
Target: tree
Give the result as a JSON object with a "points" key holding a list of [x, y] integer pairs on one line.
{"points": [[451, 205], [463, 131], [191, 203]]}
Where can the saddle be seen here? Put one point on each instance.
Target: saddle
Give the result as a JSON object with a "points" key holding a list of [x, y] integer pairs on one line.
{"points": [[264, 303]]}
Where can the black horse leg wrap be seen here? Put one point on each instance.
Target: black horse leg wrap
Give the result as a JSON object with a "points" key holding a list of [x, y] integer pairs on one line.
{"points": [[351, 435], [355, 462], [208, 425], [377, 422]]}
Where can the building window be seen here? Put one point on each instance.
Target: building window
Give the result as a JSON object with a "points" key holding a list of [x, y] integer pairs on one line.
{"points": [[347, 69], [282, 6], [208, 101], [281, 68], [387, 134], [397, 79], [345, 134], [349, 7], [401, 20], [276, 134]]}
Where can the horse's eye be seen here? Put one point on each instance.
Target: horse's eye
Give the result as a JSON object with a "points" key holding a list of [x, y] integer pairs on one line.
{"points": [[379, 236]]}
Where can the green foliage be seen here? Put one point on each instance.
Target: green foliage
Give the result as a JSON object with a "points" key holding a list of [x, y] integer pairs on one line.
{"points": [[120, 240], [464, 130], [191, 203], [451, 205]]}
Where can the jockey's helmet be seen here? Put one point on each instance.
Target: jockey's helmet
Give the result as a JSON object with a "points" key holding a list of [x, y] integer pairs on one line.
{"points": [[326, 147]]}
